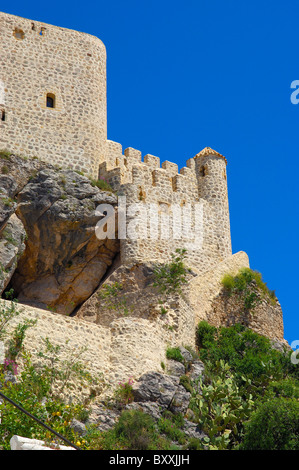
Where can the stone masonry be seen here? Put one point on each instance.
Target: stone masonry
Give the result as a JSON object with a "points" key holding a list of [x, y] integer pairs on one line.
{"points": [[39, 61]]}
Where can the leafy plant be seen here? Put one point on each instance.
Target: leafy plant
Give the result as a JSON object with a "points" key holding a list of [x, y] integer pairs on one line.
{"points": [[175, 354], [102, 184], [170, 428], [5, 154], [137, 429], [112, 298], [221, 409], [251, 357], [170, 277], [248, 284], [273, 426], [15, 343], [123, 395], [7, 313], [57, 373]]}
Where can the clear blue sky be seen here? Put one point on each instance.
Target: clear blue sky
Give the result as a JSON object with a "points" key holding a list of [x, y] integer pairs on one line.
{"points": [[186, 75]]}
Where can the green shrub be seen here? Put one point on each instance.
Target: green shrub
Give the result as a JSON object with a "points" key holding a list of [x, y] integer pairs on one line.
{"points": [[5, 154], [274, 426], [287, 388], [186, 382], [102, 184], [170, 277], [15, 343], [221, 408], [249, 355], [54, 413], [244, 284], [174, 354], [112, 298], [170, 428], [136, 429], [205, 334], [194, 444]]}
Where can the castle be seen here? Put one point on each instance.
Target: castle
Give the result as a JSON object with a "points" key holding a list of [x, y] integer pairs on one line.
{"points": [[53, 106]]}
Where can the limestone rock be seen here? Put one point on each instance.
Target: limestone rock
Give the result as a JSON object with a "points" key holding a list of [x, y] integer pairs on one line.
{"points": [[175, 368], [78, 427], [104, 418], [193, 430], [157, 388], [64, 261], [15, 173], [186, 354], [12, 247], [196, 370], [180, 401], [150, 408]]}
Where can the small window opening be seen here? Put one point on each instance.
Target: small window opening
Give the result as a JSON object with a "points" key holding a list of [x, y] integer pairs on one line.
{"points": [[2, 113], [18, 33], [42, 31], [202, 171], [50, 100], [33, 27]]}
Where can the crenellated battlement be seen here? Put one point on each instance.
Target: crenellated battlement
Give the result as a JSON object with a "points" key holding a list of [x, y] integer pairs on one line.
{"points": [[128, 167]]}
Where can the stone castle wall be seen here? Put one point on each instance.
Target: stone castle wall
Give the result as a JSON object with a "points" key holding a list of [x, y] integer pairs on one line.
{"points": [[120, 345], [184, 209], [38, 59]]}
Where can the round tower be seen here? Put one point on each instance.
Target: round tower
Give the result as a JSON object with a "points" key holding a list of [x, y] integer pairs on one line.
{"points": [[210, 168], [52, 94]]}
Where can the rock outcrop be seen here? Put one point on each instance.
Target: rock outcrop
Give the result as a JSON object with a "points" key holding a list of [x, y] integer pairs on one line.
{"points": [[155, 394], [62, 261], [12, 246]]}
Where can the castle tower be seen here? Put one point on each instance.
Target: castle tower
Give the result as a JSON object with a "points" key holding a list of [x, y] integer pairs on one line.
{"points": [[52, 94], [210, 169]]}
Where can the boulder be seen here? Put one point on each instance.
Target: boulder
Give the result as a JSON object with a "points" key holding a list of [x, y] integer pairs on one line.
{"points": [[157, 388], [64, 261], [12, 246]]}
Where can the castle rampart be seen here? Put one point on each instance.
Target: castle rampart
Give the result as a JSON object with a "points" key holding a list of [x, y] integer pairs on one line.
{"points": [[200, 184]]}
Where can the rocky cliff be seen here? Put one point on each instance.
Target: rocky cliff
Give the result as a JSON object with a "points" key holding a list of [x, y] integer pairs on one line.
{"points": [[50, 255]]}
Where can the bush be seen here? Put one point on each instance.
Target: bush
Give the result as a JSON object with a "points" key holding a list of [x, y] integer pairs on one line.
{"points": [[244, 283], [174, 354], [102, 184], [249, 355], [205, 334], [221, 408], [274, 426], [171, 429], [136, 429], [186, 382], [170, 277]]}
